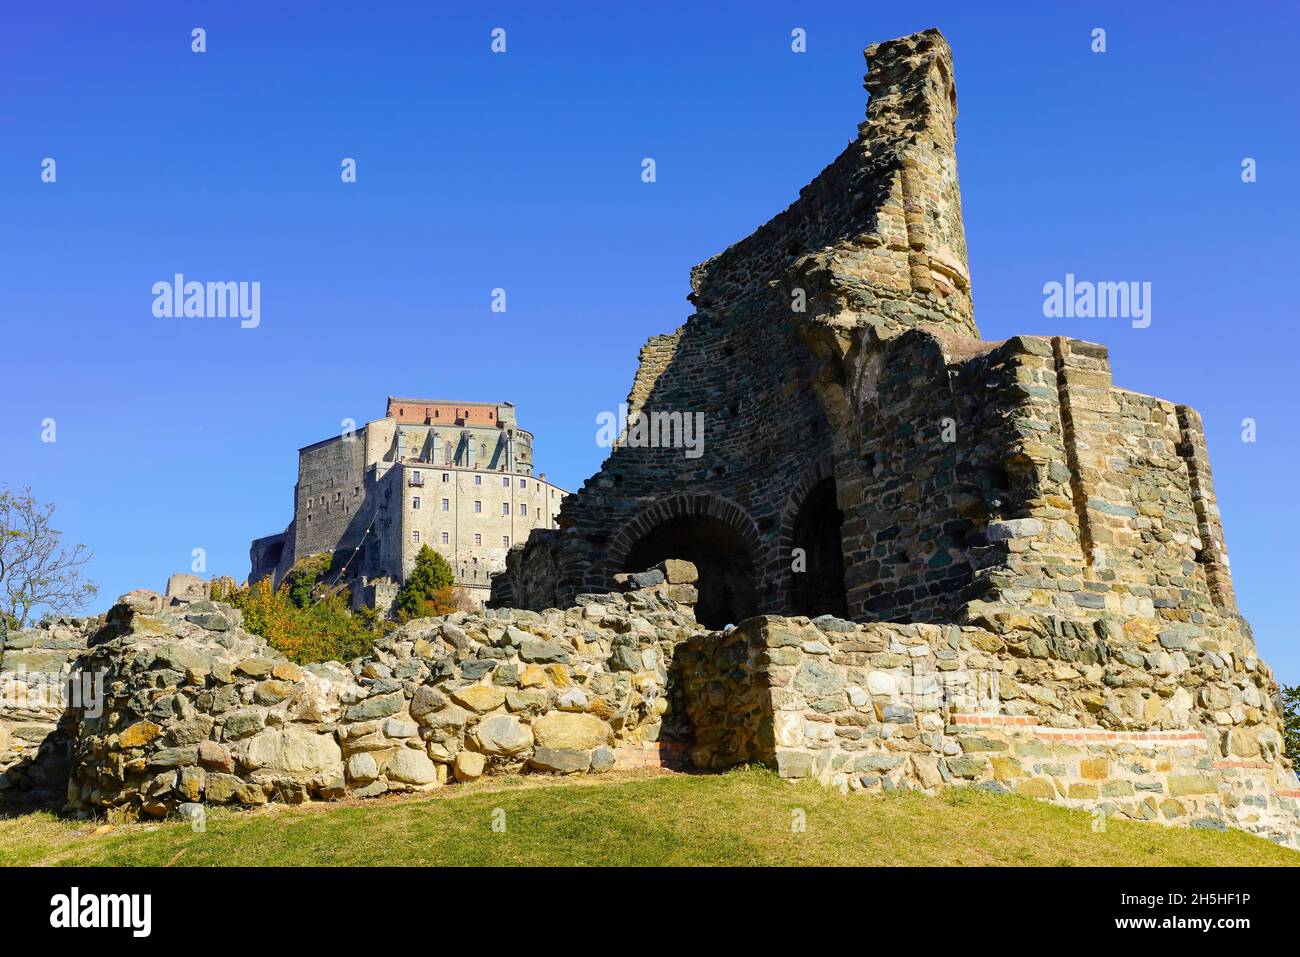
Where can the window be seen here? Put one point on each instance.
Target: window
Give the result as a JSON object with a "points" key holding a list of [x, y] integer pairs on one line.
{"points": [[446, 505], [356, 490], [523, 483], [478, 480], [478, 506], [446, 477], [415, 536], [478, 539], [505, 508], [444, 538], [309, 518], [505, 481], [415, 501], [505, 541], [523, 509], [415, 477]]}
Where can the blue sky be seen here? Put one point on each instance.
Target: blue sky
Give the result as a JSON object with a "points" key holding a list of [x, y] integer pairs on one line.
{"points": [[522, 171]]}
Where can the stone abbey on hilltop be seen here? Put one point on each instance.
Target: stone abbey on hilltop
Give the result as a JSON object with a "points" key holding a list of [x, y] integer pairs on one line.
{"points": [[457, 476]]}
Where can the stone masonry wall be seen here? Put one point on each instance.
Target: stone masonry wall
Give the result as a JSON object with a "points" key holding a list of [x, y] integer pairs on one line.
{"points": [[1050, 710], [878, 233], [36, 665], [196, 710]]}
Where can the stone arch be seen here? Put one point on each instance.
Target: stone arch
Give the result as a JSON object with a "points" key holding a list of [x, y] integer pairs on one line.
{"points": [[717, 535], [812, 520]]}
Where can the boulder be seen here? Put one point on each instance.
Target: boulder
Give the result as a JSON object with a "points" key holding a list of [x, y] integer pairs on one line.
{"points": [[560, 761], [469, 766], [362, 768], [567, 731], [501, 734], [679, 572], [292, 750], [479, 698], [186, 587], [411, 767]]}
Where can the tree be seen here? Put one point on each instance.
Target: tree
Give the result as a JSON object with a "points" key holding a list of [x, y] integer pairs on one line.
{"points": [[304, 577], [1291, 723], [36, 570], [321, 630], [424, 589]]}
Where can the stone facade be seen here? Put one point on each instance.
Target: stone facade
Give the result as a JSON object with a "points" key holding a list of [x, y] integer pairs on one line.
{"points": [[457, 476]]}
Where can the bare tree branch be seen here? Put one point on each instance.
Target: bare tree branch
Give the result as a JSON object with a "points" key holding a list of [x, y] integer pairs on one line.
{"points": [[36, 571]]}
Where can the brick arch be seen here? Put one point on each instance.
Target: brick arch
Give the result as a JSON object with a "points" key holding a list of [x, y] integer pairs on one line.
{"points": [[822, 589], [823, 468], [679, 506]]}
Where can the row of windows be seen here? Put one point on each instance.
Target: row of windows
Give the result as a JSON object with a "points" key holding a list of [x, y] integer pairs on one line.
{"points": [[446, 538], [338, 496], [478, 506], [418, 479]]}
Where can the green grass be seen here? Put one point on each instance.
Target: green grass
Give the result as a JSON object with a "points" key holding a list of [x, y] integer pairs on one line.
{"points": [[653, 818]]}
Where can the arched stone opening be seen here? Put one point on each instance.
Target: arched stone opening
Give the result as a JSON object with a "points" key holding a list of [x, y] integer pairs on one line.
{"points": [[819, 588], [726, 582]]}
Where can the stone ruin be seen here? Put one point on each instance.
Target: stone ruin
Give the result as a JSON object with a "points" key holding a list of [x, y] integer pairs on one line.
{"points": [[1011, 573]]}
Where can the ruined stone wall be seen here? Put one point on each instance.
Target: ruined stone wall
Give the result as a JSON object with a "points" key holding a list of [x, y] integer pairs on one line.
{"points": [[197, 711], [878, 233], [36, 665], [1050, 710], [971, 478]]}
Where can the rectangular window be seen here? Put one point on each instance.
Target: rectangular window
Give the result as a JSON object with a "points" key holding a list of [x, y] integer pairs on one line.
{"points": [[505, 508], [415, 501], [505, 481], [446, 476], [444, 538], [523, 509], [446, 505], [415, 536], [478, 506], [505, 541], [478, 480], [415, 477], [478, 539], [523, 483]]}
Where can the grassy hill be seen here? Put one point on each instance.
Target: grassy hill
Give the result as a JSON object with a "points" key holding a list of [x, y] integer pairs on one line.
{"points": [[656, 818]]}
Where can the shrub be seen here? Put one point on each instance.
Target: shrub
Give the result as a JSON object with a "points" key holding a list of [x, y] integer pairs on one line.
{"points": [[428, 590], [303, 578], [1291, 722], [323, 630]]}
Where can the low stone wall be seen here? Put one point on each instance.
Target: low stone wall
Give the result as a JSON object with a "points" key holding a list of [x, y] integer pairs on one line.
{"points": [[1187, 737], [196, 710], [35, 668], [184, 707]]}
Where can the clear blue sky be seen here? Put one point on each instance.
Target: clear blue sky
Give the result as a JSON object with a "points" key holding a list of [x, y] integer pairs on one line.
{"points": [[522, 171]]}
